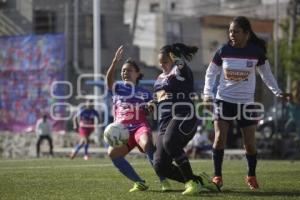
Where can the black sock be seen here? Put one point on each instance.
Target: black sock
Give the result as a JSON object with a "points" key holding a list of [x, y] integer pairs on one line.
{"points": [[185, 167], [252, 161], [218, 155]]}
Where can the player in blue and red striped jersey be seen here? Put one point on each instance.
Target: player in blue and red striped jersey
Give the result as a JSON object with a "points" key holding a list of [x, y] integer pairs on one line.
{"points": [[130, 102], [84, 123]]}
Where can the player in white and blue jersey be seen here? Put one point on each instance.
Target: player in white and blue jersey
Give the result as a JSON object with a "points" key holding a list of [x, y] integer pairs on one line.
{"points": [[236, 63]]}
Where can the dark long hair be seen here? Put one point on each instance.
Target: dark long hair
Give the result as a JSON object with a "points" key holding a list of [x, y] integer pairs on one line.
{"points": [[179, 50], [132, 63], [244, 24]]}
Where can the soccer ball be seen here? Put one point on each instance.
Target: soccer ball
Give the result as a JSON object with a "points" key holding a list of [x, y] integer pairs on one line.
{"points": [[116, 134]]}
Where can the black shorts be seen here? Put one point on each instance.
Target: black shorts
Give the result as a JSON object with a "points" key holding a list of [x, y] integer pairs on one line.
{"points": [[242, 113]]}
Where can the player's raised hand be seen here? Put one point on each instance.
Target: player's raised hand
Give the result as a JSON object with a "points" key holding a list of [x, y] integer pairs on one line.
{"points": [[119, 53]]}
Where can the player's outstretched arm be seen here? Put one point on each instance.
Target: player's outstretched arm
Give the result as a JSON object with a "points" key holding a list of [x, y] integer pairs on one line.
{"points": [[111, 70]]}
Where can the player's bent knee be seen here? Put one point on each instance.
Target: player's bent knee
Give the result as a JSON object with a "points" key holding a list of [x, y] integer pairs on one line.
{"points": [[110, 152], [250, 150], [114, 152], [218, 146], [145, 143], [219, 143]]}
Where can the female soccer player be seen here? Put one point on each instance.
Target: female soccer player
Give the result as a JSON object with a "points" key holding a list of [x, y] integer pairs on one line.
{"points": [[84, 123], [177, 119], [129, 101], [236, 63]]}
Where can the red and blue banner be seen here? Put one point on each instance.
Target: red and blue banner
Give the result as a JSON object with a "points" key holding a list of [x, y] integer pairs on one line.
{"points": [[28, 67]]}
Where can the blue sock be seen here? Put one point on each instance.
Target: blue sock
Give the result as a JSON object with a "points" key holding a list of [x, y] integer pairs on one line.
{"points": [[86, 147], [150, 158], [252, 161], [77, 148], [126, 169], [218, 155]]}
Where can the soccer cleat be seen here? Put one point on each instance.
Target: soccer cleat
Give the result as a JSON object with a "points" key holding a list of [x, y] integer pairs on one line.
{"points": [[86, 157], [138, 186], [252, 182], [208, 183], [218, 181], [165, 185], [191, 188], [72, 155]]}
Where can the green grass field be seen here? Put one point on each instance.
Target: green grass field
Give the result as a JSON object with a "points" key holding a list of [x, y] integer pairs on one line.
{"points": [[98, 179]]}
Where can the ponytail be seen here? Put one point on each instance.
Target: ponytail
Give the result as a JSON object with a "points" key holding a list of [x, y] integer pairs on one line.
{"points": [[179, 50], [257, 41]]}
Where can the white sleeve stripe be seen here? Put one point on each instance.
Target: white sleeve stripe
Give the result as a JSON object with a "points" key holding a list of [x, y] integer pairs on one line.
{"points": [[211, 74], [268, 78]]}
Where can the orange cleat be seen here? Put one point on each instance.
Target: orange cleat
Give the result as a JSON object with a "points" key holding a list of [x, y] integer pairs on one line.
{"points": [[252, 182], [218, 181]]}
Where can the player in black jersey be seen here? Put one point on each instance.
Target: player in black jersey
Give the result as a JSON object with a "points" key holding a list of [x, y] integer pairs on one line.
{"points": [[177, 119]]}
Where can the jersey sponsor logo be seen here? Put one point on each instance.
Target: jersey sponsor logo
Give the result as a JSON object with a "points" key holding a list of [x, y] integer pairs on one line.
{"points": [[236, 75]]}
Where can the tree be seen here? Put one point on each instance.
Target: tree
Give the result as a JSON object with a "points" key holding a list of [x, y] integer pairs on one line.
{"points": [[289, 60]]}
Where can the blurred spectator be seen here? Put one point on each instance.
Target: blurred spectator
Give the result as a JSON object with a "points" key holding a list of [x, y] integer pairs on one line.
{"points": [[43, 130], [199, 144]]}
